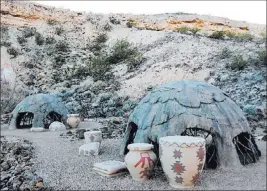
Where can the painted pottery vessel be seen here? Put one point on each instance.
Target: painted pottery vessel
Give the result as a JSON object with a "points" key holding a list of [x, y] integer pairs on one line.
{"points": [[182, 159], [140, 160], [73, 120], [92, 136]]}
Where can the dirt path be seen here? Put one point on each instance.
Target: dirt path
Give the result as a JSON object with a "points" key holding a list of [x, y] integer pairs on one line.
{"points": [[61, 167]]}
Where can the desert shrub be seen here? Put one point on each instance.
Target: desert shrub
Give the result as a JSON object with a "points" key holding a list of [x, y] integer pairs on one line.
{"points": [[230, 34], [39, 39], [107, 27], [51, 22], [262, 56], [130, 24], [135, 61], [60, 53], [4, 36], [4, 31], [183, 29], [114, 21], [11, 94], [238, 63], [59, 30], [21, 40], [244, 36], [98, 43], [122, 50], [5, 43], [13, 52], [50, 40], [98, 67], [28, 32], [101, 38], [217, 35], [226, 53], [195, 30], [62, 46]]}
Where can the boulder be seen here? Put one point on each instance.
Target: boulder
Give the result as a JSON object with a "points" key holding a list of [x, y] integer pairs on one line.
{"points": [[57, 126]]}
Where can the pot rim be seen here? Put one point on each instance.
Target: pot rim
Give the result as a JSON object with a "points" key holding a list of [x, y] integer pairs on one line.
{"points": [[73, 115], [140, 147]]}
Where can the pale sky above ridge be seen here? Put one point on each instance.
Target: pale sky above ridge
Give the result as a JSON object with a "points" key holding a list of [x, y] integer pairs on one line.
{"points": [[250, 11]]}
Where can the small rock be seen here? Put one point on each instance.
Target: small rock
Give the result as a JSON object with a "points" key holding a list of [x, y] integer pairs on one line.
{"points": [[264, 138], [5, 166], [39, 185], [80, 133]]}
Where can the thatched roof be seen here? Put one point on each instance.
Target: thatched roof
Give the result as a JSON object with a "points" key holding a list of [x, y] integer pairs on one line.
{"points": [[171, 108]]}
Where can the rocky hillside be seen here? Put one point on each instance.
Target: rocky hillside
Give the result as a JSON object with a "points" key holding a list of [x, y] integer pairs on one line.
{"points": [[102, 65]]}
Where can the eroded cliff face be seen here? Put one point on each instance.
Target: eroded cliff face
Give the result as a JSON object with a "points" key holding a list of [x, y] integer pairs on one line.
{"points": [[57, 51]]}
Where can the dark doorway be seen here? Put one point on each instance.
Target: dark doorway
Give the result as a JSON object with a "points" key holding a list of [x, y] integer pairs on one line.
{"points": [[132, 134], [246, 148], [50, 118], [24, 120]]}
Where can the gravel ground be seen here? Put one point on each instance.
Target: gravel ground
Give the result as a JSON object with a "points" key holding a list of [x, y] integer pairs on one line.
{"points": [[58, 162]]}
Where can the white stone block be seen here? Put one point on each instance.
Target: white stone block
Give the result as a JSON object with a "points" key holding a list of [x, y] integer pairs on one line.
{"points": [[92, 136], [90, 149]]}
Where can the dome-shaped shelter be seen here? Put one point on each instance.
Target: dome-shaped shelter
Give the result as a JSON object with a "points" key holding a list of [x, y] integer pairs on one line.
{"points": [[194, 108], [37, 112]]}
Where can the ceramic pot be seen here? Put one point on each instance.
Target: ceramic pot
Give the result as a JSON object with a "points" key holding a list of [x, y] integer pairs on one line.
{"points": [[140, 160], [92, 136], [73, 120], [182, 159]]}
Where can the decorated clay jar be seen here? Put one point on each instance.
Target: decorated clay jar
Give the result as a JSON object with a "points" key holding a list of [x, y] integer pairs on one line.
{"points": [[140, 160], [73, 120], [182, 159], [92, 136]]}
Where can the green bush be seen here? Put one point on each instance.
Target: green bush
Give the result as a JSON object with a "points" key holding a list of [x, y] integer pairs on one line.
{"points": [[39, 39], [230, 34], [130, 24], [226, 53], [114, 21], [51, 22], [244, 37], [135, 61], [4, 36], [238, 63], [185, 29], [217, 35], [21, 40], [28, 32], [98, 43], [195, 30], [50, 40], [4, 31], [262, 56], [122, 50], [99, 66], [107, 27], [59, 30], [62, 46], [13, 52]]}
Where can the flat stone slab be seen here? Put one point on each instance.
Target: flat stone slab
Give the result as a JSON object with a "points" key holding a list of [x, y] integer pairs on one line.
{"points": [[89, 149], [110, 167]]}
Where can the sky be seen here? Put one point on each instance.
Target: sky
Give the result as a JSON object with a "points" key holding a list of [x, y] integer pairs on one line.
{"points": [[250, 11]]}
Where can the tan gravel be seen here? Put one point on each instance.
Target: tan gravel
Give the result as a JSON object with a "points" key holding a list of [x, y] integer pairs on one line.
{"points": [[61, 167]]}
